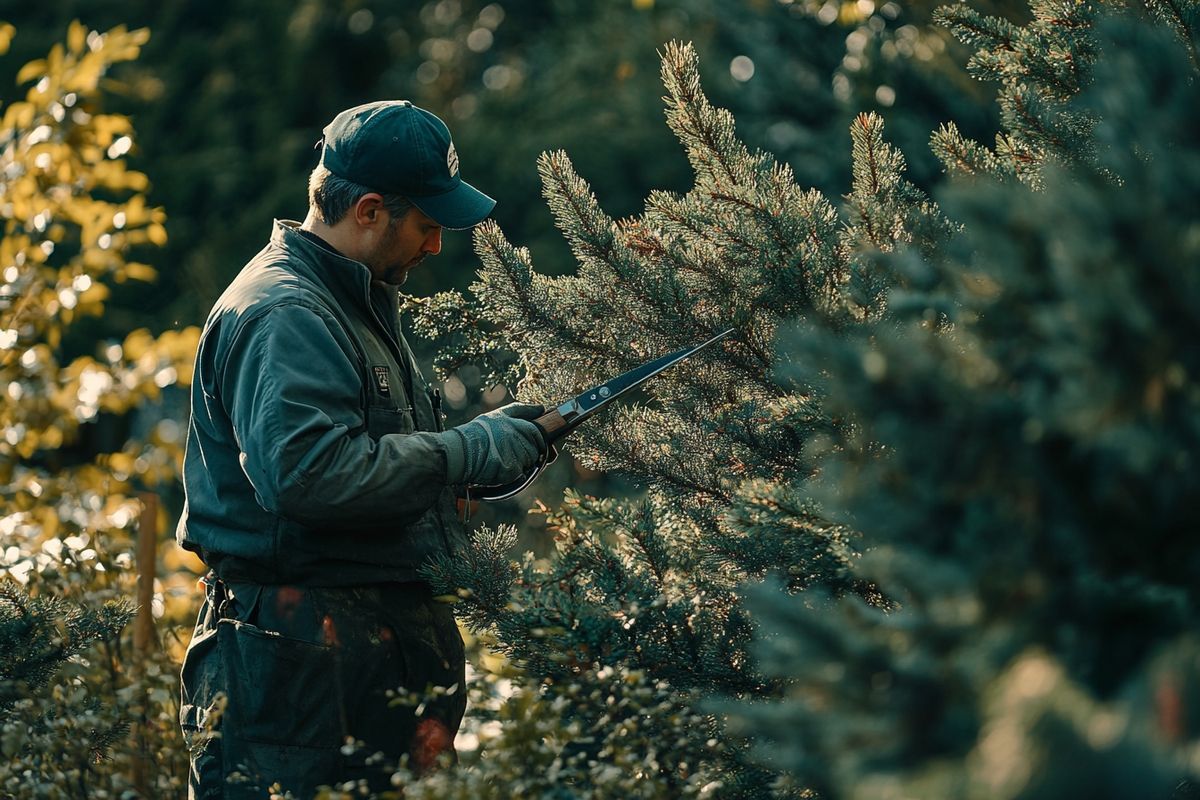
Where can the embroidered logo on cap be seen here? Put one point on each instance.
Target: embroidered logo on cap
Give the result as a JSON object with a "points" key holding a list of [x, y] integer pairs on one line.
{"points": [[452, 160], [383, 381]]}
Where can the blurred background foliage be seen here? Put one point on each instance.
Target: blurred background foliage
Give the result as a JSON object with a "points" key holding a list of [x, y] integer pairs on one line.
{"points": [[77, 224]]}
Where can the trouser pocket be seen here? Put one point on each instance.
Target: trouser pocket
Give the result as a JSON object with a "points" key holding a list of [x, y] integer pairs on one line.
{"points": [[202, 693], [281, 723]]}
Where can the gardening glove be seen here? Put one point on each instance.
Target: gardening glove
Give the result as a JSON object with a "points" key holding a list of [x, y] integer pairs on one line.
{"points": [[494, 448]]}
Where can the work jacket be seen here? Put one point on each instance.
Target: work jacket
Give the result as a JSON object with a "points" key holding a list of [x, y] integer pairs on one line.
{"points": [[313, 453]]}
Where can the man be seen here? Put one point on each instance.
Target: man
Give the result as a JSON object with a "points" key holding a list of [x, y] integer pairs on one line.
{"points": [[319, 479]]}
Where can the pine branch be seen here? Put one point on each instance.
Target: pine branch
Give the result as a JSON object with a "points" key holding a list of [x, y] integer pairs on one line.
{"points": [[555, 345], [867, 136], [589, 231], [963, 156], [983, 32], [885, 209], [707, 133], [1177, 13], [38, 634]]}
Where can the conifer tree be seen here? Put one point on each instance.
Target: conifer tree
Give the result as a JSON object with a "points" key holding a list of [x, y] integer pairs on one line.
{"points": [[648, 589], [884, 410]]}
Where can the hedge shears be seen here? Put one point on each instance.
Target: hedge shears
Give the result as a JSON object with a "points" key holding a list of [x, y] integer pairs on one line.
{"points": [[561, 420]]}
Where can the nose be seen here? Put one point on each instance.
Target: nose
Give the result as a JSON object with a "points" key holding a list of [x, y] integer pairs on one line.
{"points": [[433, 242]]}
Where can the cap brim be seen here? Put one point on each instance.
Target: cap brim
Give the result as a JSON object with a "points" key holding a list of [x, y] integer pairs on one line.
{"points": [[462, 207]]}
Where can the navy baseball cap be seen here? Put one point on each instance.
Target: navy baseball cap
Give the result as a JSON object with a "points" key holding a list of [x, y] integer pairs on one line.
{"points": [[394, 147]]}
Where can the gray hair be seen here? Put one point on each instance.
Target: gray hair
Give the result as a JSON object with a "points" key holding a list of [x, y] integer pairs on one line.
{"points": [[332, 196]]}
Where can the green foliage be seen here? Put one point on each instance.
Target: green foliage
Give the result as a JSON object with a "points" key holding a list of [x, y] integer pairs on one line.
{"points": [[955, 436], [1040, 67], [718, 444], [226, 114], [1024, 475], [38, 635], [72, 213], [979, 393], [229, 97], [608, 732]]}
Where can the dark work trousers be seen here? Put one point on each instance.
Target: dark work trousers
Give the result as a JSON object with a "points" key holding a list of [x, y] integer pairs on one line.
{"points": [[278, 680]]}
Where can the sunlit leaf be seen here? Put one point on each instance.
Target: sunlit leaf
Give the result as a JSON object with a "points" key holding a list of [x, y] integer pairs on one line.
{"points": [[121, 463], [34, 69], [138, 343], [77, 36], [140, 272], [86, 75], [18, 115], [48, 519]]}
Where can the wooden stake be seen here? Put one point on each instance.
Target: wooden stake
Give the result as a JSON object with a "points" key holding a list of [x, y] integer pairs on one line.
{"points": [[147, 569], [144, 637]]}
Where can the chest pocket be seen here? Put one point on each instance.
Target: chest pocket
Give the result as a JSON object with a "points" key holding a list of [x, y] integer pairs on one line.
{"points": [[388, 406], [382, 421]]}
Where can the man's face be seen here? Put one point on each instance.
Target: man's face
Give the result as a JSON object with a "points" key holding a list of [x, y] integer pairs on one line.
{"points": [[403, 245]]}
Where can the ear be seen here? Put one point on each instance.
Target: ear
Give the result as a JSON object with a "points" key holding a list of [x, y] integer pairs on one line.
{"points": [[369, 210]]}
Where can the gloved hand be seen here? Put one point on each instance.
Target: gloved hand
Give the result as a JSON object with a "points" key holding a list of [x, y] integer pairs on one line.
{"points": [[494, 448]]}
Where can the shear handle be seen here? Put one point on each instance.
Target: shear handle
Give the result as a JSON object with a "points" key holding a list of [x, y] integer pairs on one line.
{"points": [[507, 490]]}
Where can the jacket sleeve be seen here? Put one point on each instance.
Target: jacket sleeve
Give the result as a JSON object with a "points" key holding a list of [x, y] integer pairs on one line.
{"points": [[293, 396]]}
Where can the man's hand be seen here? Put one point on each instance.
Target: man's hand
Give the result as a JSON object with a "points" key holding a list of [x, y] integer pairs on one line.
{"points": [[495, 448]]}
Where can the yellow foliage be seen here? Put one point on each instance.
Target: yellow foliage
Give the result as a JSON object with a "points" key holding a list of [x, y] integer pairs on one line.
{"points": [[176, 559], [71, 211], [86, 74], [18, 115], [94, 295], [72, 208], [107, 128], [157, 234], [121, 464], [76, 37], [137, 343], [34, 69], [48, 519], [52, 438], [140, 272], [180, 344]]}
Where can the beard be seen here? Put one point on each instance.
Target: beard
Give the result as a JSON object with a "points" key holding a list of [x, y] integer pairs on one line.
{"points": [[391, 273], [397, 274]]}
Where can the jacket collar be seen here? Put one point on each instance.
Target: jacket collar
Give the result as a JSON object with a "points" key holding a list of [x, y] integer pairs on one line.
{"points": [[346, 280]]}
